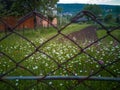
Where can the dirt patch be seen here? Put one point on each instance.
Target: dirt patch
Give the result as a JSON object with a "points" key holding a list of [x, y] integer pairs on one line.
{"points": [[87, 34]]}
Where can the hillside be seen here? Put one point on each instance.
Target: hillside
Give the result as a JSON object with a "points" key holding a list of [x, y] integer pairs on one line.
{"points": [[75, 8]]}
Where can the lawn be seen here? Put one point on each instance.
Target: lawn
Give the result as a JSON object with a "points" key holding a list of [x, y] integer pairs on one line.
{"points": [[47, 57]]}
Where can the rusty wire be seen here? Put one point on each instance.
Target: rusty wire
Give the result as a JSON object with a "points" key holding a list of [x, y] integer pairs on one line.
{"points": [[4, 78]]}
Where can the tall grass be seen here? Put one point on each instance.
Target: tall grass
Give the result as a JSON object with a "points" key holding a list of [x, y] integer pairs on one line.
{"points": [[61, 52]]}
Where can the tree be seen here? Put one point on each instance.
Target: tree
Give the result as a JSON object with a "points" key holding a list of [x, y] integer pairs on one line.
{"points": [[117, 14], [108, 18], [117, 11], [95, 9], [118, 19], [5, 6], [21, 7]]}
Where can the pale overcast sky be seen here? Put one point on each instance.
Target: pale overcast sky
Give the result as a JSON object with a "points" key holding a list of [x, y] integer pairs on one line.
{"points": [[109, 2]]}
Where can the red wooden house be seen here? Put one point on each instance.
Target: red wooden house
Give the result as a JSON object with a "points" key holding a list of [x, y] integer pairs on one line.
{"points": [[29, 23]]}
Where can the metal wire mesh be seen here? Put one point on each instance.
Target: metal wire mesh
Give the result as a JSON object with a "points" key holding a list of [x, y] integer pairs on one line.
{"points": [[62, 76]]}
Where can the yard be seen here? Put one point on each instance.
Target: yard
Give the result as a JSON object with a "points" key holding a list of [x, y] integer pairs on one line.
{"points": [[59, 56]]}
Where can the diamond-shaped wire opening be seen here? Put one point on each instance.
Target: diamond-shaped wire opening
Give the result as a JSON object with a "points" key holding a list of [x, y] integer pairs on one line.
{"points": [[6, 64], [16, 47], [60, 51], [40, 64], [78, 66], [82, 36]]}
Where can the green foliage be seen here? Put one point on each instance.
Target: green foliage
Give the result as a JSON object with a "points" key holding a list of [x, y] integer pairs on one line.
{"points": [[118, 19], [110, 21], [5, 7], [95, 9], [117, 10], [108, 18], [21, 7]]}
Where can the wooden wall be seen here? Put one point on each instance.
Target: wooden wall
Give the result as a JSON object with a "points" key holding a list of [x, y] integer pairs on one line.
{"points": [[29, 23]]}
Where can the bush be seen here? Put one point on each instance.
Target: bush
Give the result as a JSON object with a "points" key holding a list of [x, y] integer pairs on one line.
{"points": [[108, 18], [118, 19]]}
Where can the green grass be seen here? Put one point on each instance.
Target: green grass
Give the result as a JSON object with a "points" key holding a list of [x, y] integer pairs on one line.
{"points": [[115, 33], [101, 33], [74, 27], [47, 32], [40, 64]]}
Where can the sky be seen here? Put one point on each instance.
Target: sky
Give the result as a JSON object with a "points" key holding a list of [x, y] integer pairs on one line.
{"points": [[108, 2]]}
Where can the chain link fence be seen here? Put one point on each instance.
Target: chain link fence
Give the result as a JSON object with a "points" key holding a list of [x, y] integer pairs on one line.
{"points": [[59, 62]]}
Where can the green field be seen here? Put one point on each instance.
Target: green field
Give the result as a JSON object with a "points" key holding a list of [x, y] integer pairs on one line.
{"points": [[47, 57]]}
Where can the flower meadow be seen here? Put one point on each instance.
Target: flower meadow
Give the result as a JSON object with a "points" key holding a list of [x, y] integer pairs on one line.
{"points": [[57, 58]]}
